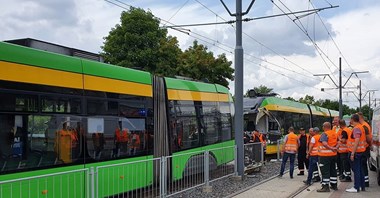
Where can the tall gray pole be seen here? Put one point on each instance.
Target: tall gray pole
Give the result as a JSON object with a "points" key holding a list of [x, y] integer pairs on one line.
{"points": [[340, 89], [369, 105], [360, 95], [239, 90]]}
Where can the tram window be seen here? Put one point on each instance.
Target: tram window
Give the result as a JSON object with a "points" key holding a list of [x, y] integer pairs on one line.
{"points": [[132, 109], [211, 130], [102, 107], [38, 141], [184, 108], [18, 102], [116, 137], [187, 132], [226, 127], [226, 121], [58, 104]]}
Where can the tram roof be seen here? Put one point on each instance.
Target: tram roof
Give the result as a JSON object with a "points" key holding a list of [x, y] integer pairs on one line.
{"points": [[49, 60], [279, 104]]}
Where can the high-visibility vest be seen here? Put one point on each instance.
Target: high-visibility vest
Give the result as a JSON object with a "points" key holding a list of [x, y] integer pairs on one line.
{"points": [[343, 147], [362, 141], [369, 131], [332, 141], [135, 141], [314, 149], [291, 145], [337, 129], [121, 136]]}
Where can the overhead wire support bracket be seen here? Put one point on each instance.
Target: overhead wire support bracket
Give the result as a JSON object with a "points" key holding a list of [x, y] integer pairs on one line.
{"points": [[234, 14], [308, 12]]}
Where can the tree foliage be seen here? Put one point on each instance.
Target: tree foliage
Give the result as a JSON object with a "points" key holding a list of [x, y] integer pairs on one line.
{"points": [[136, 41], [307, 99], [199, 63], [139, 42]]}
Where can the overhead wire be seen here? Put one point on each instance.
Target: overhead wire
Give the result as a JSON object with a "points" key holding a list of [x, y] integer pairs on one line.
{"points": [[261, 44], [202, 38], [319, 50], [179, 9], [334, 42]]}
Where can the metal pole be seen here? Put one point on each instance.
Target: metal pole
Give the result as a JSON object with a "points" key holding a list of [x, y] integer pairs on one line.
{"points": [[360, 95], [375, 102], [340, 89], [369, 105], [206, 168], [239, 90]]}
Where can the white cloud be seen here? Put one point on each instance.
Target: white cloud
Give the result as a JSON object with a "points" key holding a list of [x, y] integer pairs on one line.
{"points": [[83, 24]]}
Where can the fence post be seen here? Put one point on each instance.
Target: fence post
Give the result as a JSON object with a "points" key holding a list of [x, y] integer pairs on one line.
{"points": [[206, 167], [163, 177], [262, 152], [92, 180], [278, 150], [235, 158]]}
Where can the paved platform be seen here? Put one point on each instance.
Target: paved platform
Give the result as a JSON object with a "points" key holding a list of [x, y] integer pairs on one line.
{"points": [[285, 187]]}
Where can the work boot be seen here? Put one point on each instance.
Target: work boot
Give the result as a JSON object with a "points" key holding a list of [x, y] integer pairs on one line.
{"points": [[334, 187], [325, 188], [317, 179], [307, 183], [301, 173]]}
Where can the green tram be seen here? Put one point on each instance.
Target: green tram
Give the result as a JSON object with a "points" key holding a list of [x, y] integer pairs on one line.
{"points": [[273, 116], [61, 114]]}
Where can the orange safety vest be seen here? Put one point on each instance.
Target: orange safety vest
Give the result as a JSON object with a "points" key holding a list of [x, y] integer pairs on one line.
{"points": [[332, 141], [292, 143], [314, 149], [343, 147], [121, 136], [369, 131], [135, 141], [362, 141], [339, 130]]}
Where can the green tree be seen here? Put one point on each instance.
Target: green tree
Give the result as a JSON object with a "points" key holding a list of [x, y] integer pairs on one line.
{"points": [[263, 89], [307, 99], [200, 64], [366, 111], [290, 98], [139, 42]]}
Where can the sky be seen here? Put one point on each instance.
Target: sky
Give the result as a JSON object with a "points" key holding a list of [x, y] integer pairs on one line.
{"points": [[282, 53]]}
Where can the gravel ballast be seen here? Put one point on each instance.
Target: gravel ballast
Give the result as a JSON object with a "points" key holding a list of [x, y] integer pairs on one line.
{"points": [[227, 186]]}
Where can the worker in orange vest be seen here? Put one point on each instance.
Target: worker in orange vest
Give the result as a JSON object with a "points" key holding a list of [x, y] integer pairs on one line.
{"points": [[357, 146], [327, 158], [134, 143], [367, 153], [120, 139], [289, 150], [343, 151], [337, 130], [301, 157], [312, 155]]}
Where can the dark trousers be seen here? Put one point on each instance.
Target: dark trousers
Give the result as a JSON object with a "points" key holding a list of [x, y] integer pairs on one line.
{"points": [[345, 165], [292, 157], [312, 167], [339, 164], [365, 157], [358, 171], [328, 170], [302, 161]]}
